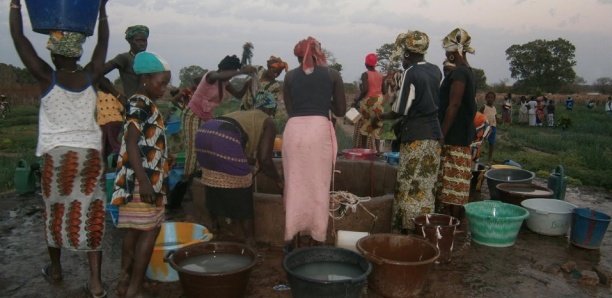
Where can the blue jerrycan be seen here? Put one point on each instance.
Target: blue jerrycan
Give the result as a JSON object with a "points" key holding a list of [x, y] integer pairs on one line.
{"points": [[557, 182]]}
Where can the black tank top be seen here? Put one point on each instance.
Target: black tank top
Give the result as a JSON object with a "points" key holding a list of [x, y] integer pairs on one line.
{"points": [[311, 94]]}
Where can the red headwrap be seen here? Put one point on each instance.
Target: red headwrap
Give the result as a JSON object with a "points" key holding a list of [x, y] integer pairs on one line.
{"points": [[312, 54], [371, 60]]}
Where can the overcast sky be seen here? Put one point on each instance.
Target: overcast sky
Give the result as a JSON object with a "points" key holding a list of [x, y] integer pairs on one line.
{"points": [[201, 32]]}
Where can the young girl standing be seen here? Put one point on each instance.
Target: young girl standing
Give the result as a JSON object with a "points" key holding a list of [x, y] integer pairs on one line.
{"points": [[139, 188]]}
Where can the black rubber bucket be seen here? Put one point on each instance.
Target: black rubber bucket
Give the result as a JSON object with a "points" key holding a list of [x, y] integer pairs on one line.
{"points": [[307, 287]]}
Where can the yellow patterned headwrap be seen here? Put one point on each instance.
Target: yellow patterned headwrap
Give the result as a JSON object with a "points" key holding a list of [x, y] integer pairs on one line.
{"points": [[458, 40], [413, 41], [68, 44]]}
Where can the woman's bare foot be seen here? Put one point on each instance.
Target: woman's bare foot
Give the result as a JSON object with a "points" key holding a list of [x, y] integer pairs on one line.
{"points": [[122, 285]]}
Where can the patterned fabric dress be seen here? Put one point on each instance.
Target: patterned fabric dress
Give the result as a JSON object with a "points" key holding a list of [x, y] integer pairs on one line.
{"points": [[455, 174], [133, 213], [416, 179], [69, 141]]}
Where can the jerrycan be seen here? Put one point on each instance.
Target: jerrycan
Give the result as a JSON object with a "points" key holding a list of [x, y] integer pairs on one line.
{"points": [[557, 182], [24, 179]]}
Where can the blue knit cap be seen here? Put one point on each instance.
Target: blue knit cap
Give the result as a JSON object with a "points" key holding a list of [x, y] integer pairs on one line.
{"points": [[147, 62]]}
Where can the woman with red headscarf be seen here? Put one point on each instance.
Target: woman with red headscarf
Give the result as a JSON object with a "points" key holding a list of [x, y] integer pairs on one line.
{"points": [[372, 107], [309, 140]]}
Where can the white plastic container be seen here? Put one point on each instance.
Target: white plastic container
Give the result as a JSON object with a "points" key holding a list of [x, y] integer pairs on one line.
{"points": [[549, 216], [352, 115], [348, 239]]}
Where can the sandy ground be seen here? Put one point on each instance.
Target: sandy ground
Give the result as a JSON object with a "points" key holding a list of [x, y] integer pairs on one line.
{"points": [[530, 268]]}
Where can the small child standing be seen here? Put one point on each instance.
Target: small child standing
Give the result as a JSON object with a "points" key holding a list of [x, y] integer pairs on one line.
{"points": [[139, 186], [491, 112], [550, 113]]}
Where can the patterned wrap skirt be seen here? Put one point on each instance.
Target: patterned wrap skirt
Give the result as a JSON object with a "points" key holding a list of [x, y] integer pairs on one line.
{"points": [[371, 108], [74, 198], [190, 123], [226, 174], [416, 179], [140, 215], [454, 175]]}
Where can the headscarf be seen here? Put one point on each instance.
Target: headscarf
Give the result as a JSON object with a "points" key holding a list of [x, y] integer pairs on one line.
{"points": [[458, 40], [131, 31], [68, 44], [148, 62], [371, 59], [312, 54], [277, 64], [229, 63], [412, 41]]}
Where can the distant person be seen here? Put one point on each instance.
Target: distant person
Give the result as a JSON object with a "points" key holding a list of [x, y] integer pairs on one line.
{"points": [[490, 111], [531, 111], [137, 36], [69, 142], [109, 114], [540, 113], [523, 116], [140, 188], [229, 149], [456, 114], [507, 110], [550, 113], [312, 92], [569, 103], [4, 106], [482, 133], [370, 102], [419, 132], [591, 104], [608, 107], [267, 86]]}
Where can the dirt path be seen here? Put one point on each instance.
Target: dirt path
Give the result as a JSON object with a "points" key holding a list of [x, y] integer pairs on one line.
{"points": [[530, 268]]}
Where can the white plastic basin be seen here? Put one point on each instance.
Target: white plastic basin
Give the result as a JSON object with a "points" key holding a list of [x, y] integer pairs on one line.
{"points": [[549, 217]]}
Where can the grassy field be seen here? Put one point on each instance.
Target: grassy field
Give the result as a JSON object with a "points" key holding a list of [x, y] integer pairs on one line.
{"points": [[585, 149]]}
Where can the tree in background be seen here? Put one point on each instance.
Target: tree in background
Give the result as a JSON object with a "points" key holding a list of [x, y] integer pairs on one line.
{"points": [[481, 79], [332, 62], [387, 60], [603, 85], [189, 73], [542, 65], [10, 75]]}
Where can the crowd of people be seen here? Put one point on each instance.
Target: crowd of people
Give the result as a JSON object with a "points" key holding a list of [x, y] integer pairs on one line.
{"points": [[85, 119]]}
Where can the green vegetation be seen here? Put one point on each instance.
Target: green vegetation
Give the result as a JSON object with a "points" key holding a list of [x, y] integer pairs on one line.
{"points": [[584, 149]]}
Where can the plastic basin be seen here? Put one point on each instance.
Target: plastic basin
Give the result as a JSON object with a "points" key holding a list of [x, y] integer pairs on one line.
{"points": [[494, 223], [400, 263], [515, 193], [359, 154], [392, 157], [227, 284], [548, 216], [63, 15], [173, 236], [307, 286], [497, 176], [173, 127]]}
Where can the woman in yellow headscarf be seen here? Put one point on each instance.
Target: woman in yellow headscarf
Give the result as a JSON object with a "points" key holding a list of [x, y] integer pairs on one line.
{"points": [[266, 85], [456, 114]]}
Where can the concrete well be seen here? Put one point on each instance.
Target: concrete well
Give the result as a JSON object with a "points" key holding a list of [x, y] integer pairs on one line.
{"points": [[361, 178]]}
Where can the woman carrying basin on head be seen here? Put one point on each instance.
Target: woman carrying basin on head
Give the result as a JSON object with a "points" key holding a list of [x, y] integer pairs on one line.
{"points": [[69, 141]]}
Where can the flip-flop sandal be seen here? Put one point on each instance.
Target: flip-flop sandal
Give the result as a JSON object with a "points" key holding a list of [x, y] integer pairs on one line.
{"points": [[87, 291], [45, 272]]}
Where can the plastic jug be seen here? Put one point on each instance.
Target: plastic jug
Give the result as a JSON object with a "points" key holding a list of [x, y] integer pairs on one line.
{"points": [[557, 182], [24, 179]]}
